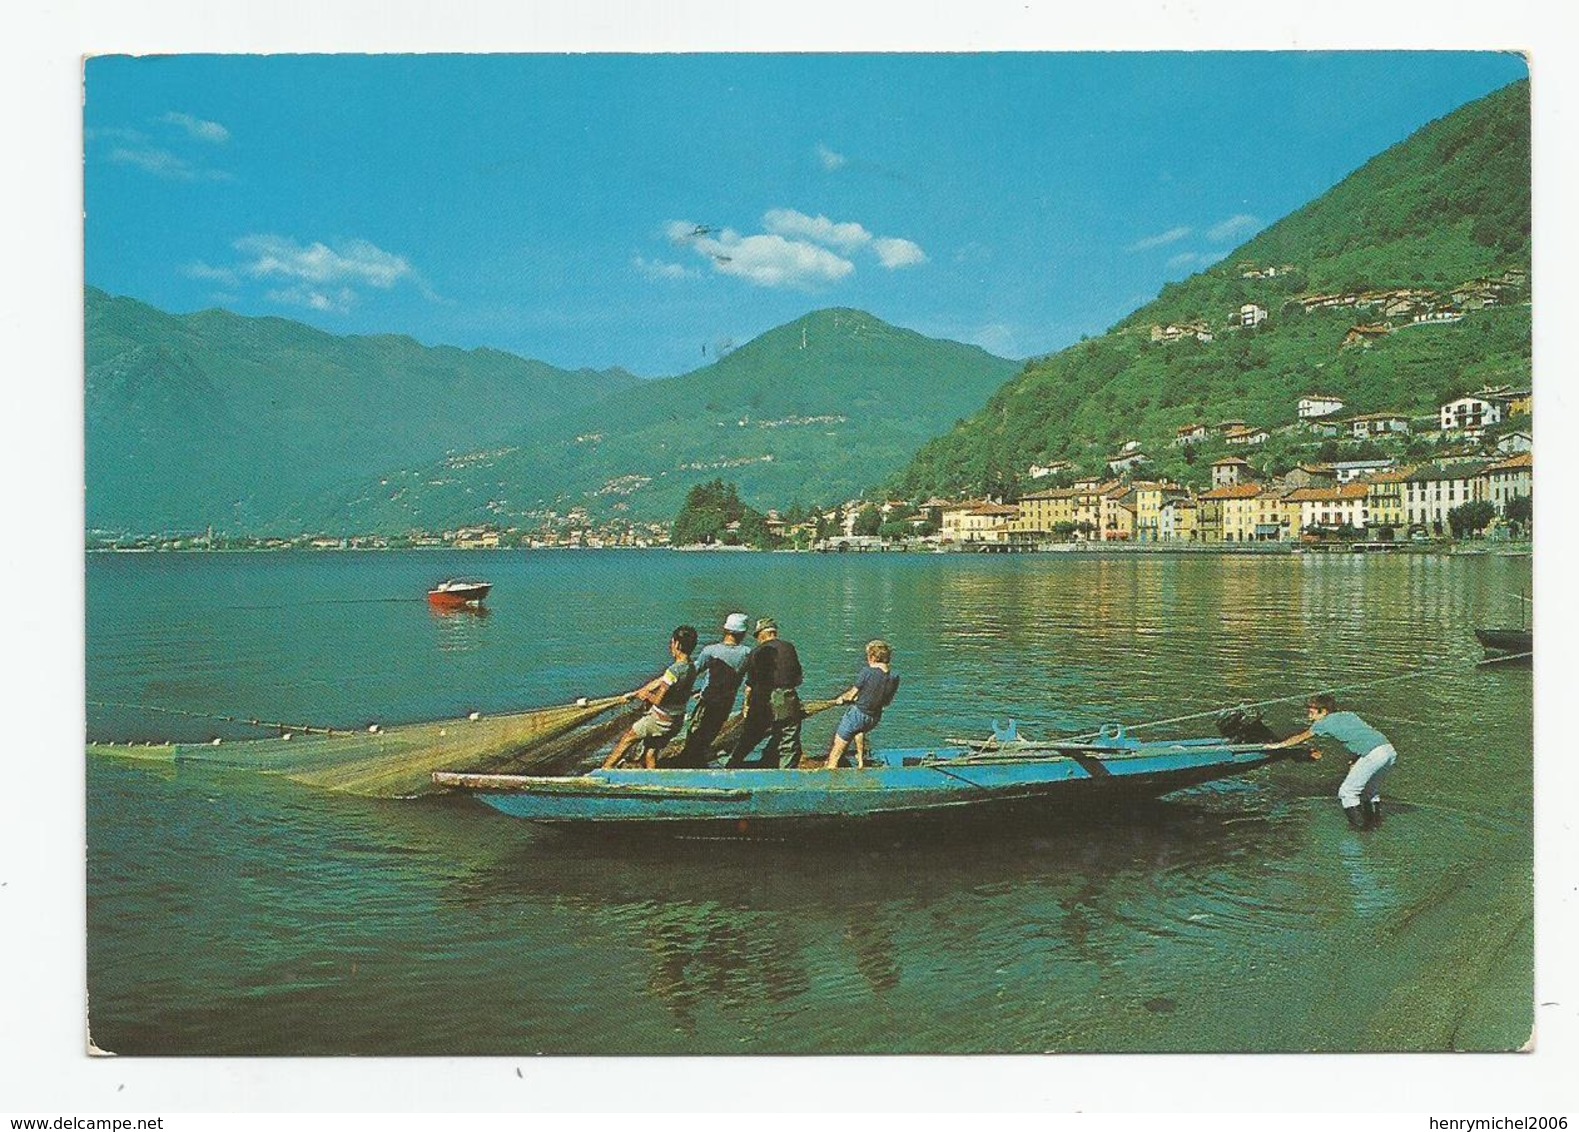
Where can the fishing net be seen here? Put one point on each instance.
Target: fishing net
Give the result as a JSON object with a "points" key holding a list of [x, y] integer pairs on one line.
{"points": [[399, 761]]}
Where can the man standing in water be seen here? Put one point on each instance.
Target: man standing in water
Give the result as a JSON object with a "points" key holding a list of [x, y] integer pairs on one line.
{"points": [[1371, 757], [773, 710], [719, 667]]}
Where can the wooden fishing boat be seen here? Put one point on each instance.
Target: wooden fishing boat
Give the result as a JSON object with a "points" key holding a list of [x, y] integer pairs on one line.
{"points": [[993, 783], [456, 592]]}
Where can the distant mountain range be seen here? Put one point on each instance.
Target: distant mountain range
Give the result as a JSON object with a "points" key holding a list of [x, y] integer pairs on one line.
{"points": [[1446, 207], [815, 410], [214, 418]]}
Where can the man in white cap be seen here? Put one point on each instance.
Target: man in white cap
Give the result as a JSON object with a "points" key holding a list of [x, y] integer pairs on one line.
{"points": [[719, 667]]}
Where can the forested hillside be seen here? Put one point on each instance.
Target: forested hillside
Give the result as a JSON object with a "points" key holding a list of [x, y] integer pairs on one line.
{"points": [[1408, 234]]}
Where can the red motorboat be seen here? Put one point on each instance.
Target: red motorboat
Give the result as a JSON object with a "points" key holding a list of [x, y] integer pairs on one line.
{"points": [[456, 592]]}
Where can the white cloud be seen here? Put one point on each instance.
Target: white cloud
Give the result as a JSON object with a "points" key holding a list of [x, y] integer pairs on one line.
{"points": [[786, 222], [830, 160], [773, 261], [894, 252], [1183, 259], [198, 128], [657, 269], [1235, 226], [1171, 236], [354, 261], [797, 250]]}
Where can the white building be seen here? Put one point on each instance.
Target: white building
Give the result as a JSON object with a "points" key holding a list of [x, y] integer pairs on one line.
{"points": [[1314, 405], [1378, 424], [1505, 481], [1251, 315], [1431, 492], [1470, 415]]}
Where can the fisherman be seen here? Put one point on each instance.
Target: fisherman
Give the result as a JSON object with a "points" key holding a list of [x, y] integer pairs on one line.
{"points": [[1371, 757], [872, 691], [719, 667], [773, 710], [666, 696]]}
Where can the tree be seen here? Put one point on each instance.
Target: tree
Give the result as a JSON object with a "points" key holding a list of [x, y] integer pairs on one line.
{"points": [[1519, 511], [868, 520], [1470, 518]]}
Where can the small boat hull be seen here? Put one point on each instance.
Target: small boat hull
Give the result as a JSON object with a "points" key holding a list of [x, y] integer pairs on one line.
{"points": [[454, 595], [914, 788]]}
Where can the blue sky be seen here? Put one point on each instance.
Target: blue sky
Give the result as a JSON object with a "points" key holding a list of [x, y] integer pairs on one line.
{"points": [[646, 211]]}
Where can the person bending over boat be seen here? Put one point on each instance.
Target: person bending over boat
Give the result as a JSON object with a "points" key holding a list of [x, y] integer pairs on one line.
{"points": [[773, 710], [1371, 757], [872, 691], [719, 667], [667, 695]]}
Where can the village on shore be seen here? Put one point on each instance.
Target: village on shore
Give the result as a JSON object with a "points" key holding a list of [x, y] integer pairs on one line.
{"points": [[1478, 485]]}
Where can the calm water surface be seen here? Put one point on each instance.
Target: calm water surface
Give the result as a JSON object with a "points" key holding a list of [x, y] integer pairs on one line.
{"points": [[230, 913]]}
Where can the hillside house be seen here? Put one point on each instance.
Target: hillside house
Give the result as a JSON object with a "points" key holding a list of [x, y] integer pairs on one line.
{"points": [[1436, 317], [1512, 442], [1042, 471], [1190, 434], [1315, 405], [1251, 314], [1249, 270], [1230, 471], [1247, 436], [1470, 415], [1177, 332], [1225, 427], [1370, 425], [1366, 333], [1127, 462]]}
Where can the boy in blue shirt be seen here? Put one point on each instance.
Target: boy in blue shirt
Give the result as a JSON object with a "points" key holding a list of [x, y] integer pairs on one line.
{"points": [[872, 691], [1371, 757]]}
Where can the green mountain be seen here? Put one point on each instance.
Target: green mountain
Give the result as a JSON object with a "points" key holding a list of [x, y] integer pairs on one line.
{"points": [[1448, 206], [815, 410], [214, 418]]}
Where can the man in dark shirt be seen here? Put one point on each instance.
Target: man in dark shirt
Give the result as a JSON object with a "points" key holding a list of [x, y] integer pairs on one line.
{"points": [[773, 710]]}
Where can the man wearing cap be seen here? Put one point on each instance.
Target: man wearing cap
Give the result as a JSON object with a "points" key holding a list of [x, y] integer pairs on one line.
{"points": [[773, 710], [719, 667]]}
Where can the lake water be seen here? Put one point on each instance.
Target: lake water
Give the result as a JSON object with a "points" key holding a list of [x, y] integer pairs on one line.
{"points": [[232, 913]]}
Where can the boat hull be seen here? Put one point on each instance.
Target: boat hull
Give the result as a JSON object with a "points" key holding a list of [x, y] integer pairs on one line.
{"points": [[922, 789], [457, 596]]}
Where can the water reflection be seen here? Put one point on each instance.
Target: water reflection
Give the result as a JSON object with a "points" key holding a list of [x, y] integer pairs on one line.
{"points": [[461, 628], [746, 931]]}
